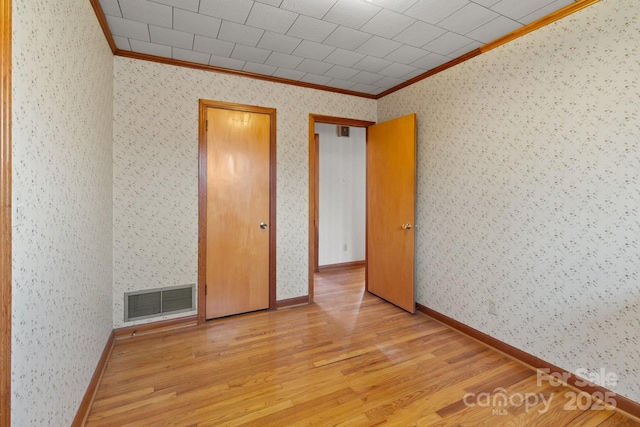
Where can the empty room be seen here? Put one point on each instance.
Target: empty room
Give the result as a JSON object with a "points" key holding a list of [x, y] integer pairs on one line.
{"points": [[320, 212]]}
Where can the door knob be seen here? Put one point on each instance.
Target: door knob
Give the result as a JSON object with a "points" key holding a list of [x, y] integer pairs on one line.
{"points": [[406, 226], [263, 225]]}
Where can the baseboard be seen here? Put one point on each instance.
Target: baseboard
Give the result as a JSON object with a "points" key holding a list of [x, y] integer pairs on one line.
{"points": [[163, 325], [626, 406], [329, 267], [292, 302], [89, 395]]}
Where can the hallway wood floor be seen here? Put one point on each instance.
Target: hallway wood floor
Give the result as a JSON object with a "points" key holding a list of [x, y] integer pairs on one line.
{"points": [[350, 359]]}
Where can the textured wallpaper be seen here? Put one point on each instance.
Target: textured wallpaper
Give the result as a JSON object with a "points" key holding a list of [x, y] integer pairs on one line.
{"points": [[62, 188], [155, 193], [529, 191]]}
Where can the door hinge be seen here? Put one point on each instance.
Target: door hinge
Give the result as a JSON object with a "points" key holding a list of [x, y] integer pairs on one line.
{"points": [[206, 125], [206, 289]]}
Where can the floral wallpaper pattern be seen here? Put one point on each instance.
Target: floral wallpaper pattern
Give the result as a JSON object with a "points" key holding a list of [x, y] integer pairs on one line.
{"points": [[529, 191], [155, 232], [62, 196]]}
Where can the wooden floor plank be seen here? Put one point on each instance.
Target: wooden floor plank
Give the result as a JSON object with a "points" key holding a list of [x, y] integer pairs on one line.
{"points": [[349, 359]]}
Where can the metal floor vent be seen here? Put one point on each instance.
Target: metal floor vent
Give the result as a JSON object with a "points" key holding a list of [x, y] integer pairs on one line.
{"points": [[158, 302]]}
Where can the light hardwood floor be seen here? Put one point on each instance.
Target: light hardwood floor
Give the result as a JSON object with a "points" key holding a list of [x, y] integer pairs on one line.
{"points": [[350, 359]]}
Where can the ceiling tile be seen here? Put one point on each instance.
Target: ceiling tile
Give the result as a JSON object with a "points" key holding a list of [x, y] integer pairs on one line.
{"points": [[516, 9], [494, 29], [447, 43], [282, 60], [397, 70], [213, 46], [147, 12], [377, 46], [340, 84], [186, 21], [122, 43], [406, 54], [351, 13], [314, 67], [263, 69], [388, 82], [434, 11], [387, 24], [395, 5], [544, 11], [311, 29], [371, 64], [190, 56], [364, 88], [251, 54], [415, 73], [313, 50], [126, 28], [486, 3], [275, 3], [271, 18], [170, 37], [315, 79], [366, 77], [232, 32], [219, 61], [191, 5], [468, 18], [316, 8], [419, 34], [346, 38], [150, 48], [430, 61], [340, 72], [278, 42], [231, 10], [466, 49], [343, 57], [289, 74], [111, 7]]}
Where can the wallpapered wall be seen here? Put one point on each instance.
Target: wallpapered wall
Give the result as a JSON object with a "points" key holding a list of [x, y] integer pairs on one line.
{"points": [[155, 233], [529, 191], [62, 188]]}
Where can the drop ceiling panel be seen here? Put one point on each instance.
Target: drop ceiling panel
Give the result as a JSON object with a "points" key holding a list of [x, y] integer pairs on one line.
{"points": [[315, 9], [278, 42], [230, 10], [184, 20], [350, 13], [271, 18], [346, 38], [313, 50], [367, 46], [146, 11], [190, 56]]}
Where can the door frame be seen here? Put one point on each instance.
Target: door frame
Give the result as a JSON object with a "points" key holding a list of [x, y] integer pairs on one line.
{"points": [[5, 214], [314, 183], [202, 197]]}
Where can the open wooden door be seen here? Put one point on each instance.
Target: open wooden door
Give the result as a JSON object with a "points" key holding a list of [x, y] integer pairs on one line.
{"points": [[391, 201]]}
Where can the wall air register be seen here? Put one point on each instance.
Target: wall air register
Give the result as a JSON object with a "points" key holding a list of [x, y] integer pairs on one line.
{"points": [[159, 302]]}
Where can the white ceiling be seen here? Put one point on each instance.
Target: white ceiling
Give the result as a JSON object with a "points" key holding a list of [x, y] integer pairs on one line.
{"points": [[355, 45]]}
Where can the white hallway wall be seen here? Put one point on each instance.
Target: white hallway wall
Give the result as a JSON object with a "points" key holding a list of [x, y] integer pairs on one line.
{"points": [[342, 195], [529, 191]]}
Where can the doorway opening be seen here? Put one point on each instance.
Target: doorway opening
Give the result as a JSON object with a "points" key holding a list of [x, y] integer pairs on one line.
{"points": [[332, 255]]}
